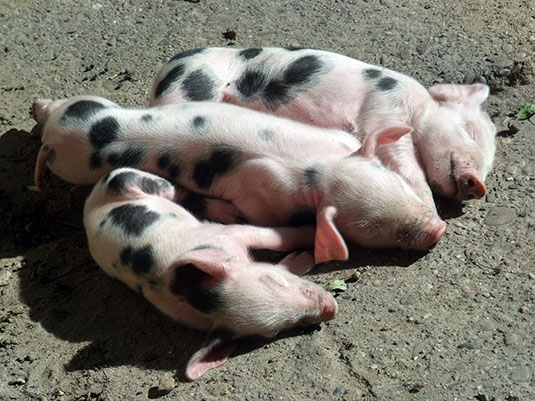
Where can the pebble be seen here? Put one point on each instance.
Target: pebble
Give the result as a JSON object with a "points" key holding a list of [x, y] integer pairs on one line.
{"points": [[404, 53], [521, 374], [4, 277], [510, 339], [387, 3], [467, 345], [486, 325], [338, 391], [422, 48], [503, 62], [383, 59], [167, 384], [490, 198], [498, 216]]}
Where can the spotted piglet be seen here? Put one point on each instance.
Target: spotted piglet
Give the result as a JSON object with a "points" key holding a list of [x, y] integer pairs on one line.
{"points": [[275, 171], [200, 274], [452, 140]]}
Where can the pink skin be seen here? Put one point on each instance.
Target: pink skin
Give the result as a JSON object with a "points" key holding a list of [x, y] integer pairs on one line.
{"points": [[296, 168], [448, 125], [252, 297]]}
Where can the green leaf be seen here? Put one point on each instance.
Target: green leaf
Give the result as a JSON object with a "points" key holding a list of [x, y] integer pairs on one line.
{"points": [[337, 286], [525, 111]]}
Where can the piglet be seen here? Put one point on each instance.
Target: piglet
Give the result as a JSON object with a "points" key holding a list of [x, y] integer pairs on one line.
{"points": [[200, 274], [274, 171], [454, 139]]}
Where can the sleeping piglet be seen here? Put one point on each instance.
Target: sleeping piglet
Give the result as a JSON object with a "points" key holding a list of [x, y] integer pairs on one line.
{"points": [[275, 171], [200, 274], [452, 140]]}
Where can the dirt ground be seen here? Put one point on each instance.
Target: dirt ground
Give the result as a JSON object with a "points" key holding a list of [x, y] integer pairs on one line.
{"points": [[456, 323]]}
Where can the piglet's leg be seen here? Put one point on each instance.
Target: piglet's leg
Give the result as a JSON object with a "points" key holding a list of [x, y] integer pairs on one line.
{"points": [[276, 239]]}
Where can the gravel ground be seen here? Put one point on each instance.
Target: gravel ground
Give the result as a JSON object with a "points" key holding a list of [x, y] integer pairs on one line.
{"points": [[452, 324]]}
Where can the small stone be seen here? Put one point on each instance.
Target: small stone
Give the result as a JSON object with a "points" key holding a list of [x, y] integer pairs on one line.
{"points": [[4, 277], [522, 213], [521, 374], [422, 48], [498, 216], [404, 53], [167, 384], [164, 42], [486, 325], [490, 198], [387, 3], [531, 275], [410, 319], [510, 339], [18, 381], [383, 59], [508, 48], [338, 391], [523, 309], [467, 345], [503, 62]]}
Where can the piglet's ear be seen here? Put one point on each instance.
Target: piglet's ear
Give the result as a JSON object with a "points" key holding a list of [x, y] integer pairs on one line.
{"points": [[210, 356], [384, 136], [329, 243], [471, 95], [210, 260]]}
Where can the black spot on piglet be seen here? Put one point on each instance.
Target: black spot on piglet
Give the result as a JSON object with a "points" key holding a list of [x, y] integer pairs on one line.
{"points": [[191, 283], [132, 156], [141, 260], [104, 132], [248, 54], [82, 109], [301, 70], [133, 219], [372, 73], [251, 82], [222, 160], [120, 182], [386, 83], [198, 86], [172, 76]]}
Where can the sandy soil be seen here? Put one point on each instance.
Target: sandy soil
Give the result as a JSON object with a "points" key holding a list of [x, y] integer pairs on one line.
{"points": [[456, 323]]}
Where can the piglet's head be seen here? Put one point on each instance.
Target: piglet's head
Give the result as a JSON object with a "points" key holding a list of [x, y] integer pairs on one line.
{"points": [[373, 206], [456, 141], [244, 299]]}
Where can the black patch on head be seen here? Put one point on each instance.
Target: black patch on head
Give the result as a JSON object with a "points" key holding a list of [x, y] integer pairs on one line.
{"points": [[199, 125], [120, 182], [266, 135], [248, 54], [195, 204], [153, 186], [302, 70], [372, 73], [250, 82], [302, 218], [172, 76], [276, 94], [174, 170], [190, 282], [133, 155], [51, 155], [141, 260], [82, 109], [104, 132], [164, 161], [186, 53], [133, 219], [147, 118], [198, 86], [313, 176], [386, 83], [222, 160], [95, 160]]}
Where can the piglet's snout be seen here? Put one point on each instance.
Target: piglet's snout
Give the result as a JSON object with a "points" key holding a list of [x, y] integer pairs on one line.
{"points": [[433, 233], [470, 186], [323, 303]]}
